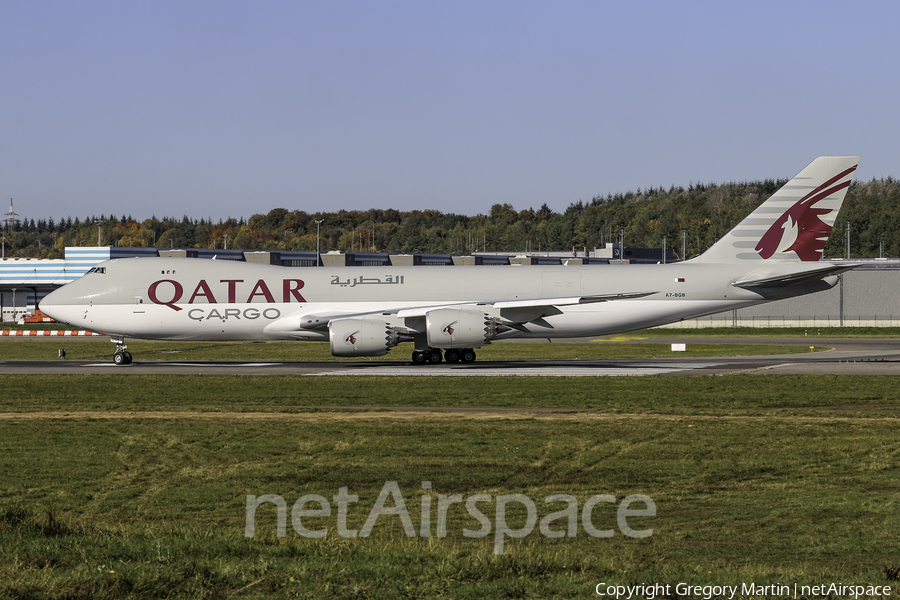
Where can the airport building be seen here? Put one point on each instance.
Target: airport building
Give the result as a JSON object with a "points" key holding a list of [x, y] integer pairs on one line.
{"points": [[25, 281], [864, 297]]}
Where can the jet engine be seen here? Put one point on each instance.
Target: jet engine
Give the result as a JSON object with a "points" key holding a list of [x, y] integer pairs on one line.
{"points": [[458, 328], [360, 337]]}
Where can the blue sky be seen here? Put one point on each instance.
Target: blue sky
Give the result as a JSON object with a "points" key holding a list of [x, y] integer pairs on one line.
{"points": [[217, 109]]}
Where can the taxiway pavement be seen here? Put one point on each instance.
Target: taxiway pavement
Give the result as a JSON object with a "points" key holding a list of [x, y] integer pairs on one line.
{"points": [[857, 356]]}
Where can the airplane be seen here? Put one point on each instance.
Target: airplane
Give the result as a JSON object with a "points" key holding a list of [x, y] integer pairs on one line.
{"points": [[449, 312]]}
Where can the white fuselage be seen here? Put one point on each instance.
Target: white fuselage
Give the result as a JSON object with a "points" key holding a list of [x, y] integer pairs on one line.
{"points": [[200, 299]]}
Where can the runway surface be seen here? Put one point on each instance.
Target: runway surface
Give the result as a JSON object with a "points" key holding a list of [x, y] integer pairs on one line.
{"points": [[847, 356]]}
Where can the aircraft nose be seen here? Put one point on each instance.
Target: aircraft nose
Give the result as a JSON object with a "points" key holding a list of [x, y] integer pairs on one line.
{"points": [[51, 301], [59, 305]]}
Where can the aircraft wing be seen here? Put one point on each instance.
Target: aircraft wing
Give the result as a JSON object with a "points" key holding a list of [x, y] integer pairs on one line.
{"points": [[566, 301], [515, 313], [794, 278], [511, 311]]}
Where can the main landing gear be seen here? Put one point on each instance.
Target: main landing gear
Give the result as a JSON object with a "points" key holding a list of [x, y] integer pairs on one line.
{"points": [[433, 356], [122, 355]]}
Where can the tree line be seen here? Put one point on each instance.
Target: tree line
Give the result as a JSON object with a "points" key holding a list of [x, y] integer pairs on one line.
{"points": [[702, 212]]}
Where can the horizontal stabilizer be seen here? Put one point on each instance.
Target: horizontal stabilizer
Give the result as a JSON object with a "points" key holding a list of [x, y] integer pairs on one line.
{"points": [[794, 278]]}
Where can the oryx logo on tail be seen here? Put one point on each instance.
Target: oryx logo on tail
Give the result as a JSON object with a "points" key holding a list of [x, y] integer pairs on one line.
{"points": [[801, 229]]}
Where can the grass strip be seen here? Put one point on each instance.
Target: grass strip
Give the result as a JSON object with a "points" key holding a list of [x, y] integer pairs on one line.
{"points": [[646, 395], [156, 508], [768, 479]]}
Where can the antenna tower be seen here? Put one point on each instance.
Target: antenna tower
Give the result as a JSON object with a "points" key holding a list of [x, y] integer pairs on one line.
{"points": [[11, 217]]}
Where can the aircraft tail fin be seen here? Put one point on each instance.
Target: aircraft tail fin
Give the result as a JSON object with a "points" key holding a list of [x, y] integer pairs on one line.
{"points": [[795, 222]]}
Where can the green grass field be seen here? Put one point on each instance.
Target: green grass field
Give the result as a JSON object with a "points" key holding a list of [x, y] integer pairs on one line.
{"points": [[134, 486], [140, 507]]}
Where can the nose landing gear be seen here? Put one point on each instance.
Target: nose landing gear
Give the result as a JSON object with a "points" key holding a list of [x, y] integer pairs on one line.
{"points": [[122, 358], [122, 355]]}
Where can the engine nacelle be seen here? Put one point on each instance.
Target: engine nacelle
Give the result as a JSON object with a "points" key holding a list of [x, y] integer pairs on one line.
{"points": [[360, 337], [458, 328]]}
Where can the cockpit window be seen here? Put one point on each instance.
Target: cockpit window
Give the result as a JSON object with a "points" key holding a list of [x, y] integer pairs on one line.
{"points": [[101, 270]]}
